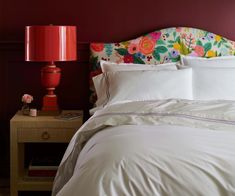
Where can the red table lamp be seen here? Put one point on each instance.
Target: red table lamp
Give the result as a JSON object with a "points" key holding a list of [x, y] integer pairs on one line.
{"points": [[49, 44]]}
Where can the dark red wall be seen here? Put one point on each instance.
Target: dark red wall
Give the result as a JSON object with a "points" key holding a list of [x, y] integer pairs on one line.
{"points": [[97, 20], [105, 20]]}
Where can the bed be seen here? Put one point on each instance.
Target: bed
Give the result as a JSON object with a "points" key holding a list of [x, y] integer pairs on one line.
{"points": [[164, 121]]}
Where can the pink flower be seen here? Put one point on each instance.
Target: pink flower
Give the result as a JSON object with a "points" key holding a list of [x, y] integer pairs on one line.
{"points": [[26, 98], [199, 50], [178, 29], [193, 53], [133, 48], [183, 35], [155, 35]]}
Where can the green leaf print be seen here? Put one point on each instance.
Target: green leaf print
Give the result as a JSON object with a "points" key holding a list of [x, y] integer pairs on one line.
{"points": [[171, 41], [177, 39], [207, 47], [161, 49], [160, 42], [177, 59], [122, 51], [138, 60], [156, 55], [199, 43]]}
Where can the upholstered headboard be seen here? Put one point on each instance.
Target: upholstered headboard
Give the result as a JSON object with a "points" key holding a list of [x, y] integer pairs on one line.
{"points": [[160, 46]]}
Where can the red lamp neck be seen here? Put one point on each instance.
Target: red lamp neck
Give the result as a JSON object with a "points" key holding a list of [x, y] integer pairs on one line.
{"points": [[51, 64]]}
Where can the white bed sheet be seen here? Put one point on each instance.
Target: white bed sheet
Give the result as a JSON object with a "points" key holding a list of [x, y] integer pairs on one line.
{"points": [[170, 147]]}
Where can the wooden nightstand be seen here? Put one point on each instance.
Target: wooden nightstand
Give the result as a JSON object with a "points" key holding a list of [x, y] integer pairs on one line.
{"points": [[41, 129]]}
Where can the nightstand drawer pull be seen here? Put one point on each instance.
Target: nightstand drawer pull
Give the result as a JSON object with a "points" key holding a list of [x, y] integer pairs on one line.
{"points": [[45, 135]]}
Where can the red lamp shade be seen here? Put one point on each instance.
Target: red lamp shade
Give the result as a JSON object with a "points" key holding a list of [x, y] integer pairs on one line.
{"points": [[50, 44]]}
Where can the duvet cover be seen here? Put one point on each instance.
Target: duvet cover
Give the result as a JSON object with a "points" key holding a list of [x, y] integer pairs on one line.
{"points": [[148, 148]]}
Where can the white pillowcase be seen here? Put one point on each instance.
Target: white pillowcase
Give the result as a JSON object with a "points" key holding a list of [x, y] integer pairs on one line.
{"points": [[221, 61], [213, 83], [213, 78], [100, 89], [126, 86], [107, 66]]}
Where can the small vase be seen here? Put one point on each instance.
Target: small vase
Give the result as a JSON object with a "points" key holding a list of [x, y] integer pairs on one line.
{"points": [[25, 109]]}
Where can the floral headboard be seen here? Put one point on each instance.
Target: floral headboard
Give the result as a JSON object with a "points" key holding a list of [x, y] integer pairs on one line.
{"points": [[160, 46]]}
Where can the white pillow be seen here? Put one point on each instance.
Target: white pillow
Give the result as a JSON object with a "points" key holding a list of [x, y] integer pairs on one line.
{"points": [[213, 84], [100, 88], [107, 66], [221, 61], [126, 86]]}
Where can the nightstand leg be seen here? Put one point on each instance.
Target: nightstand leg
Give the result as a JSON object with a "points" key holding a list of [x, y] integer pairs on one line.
{"points": [[21, 158], [14, 163], [14, 192]]}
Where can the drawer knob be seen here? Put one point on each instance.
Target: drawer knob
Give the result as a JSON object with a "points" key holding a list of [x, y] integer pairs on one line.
{"points": [[45, 135]]}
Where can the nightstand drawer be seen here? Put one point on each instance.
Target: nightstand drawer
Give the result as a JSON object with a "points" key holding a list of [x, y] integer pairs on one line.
{"points": [[45, 134]]}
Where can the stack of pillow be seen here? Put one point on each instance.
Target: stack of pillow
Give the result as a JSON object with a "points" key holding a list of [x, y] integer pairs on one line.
{"points": [[213, 78], [138, 82], [196, 79]]}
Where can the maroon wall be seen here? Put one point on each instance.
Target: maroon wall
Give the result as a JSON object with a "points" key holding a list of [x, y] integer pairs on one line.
{"points": [[101, 20], [104, 20]]}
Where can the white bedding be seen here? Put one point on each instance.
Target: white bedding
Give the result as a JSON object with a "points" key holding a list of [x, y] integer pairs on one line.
{"points": [[170, 147]]}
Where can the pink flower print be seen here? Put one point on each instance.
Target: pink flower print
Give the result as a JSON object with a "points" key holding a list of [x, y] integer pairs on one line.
{"points": [[199, 50], [193, 53], [136, 41], [133, 48], [178, 29], [155, 35], [183, 35], [128, 59]]}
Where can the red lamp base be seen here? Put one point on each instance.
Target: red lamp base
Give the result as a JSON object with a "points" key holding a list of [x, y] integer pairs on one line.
{"points": [[50, 78], [50, 103]]}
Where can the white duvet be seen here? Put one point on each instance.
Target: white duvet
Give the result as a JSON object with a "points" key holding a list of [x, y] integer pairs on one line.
{"points": [[170, 147]]}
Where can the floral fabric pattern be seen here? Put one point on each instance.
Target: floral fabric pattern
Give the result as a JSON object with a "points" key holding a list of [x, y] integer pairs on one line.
{"points": [[161, 46]]}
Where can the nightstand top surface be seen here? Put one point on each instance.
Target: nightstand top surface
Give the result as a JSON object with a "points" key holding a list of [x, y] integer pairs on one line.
{"points": [[19, 117]]}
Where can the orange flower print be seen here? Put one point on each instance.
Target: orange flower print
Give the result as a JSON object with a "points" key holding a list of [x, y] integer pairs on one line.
{"points": [[146, 45], [133, 48], [97, 47], [176, 46], [199, 50]]}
